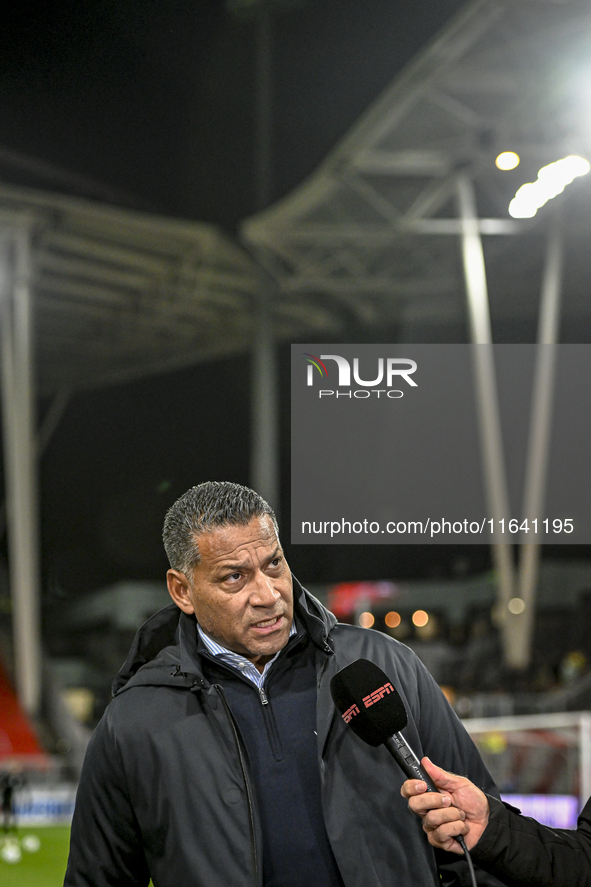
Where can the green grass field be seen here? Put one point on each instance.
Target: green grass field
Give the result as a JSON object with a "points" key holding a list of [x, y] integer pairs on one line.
{"points": [[46, 867]]}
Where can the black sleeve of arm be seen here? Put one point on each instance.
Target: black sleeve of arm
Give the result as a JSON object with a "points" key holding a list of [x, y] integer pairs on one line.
{"points": [[105, 844], [521, 852]]}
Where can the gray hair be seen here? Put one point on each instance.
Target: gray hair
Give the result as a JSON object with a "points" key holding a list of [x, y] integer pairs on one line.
{"points": [[211, 504]]}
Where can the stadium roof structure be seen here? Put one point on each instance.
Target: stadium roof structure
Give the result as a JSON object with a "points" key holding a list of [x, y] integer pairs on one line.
{"points": [[119, 294], [94, 295], [392, 227], [373, 233], [407, 223]]}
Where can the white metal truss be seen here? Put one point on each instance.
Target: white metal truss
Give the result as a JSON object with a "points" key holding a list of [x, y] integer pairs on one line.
{"points": [[118, 294], [375, 232], [91, 295], [408, 217], [375, 229]]}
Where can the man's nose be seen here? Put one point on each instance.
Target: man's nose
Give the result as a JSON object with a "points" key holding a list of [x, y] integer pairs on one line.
{"points": [[264, 594]]}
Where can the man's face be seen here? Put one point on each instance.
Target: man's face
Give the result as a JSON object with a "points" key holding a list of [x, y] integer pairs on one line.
{"points": [[241, 590]]}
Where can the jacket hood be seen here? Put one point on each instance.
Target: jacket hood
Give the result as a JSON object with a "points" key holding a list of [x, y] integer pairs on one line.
{"points": [[165, 648]]}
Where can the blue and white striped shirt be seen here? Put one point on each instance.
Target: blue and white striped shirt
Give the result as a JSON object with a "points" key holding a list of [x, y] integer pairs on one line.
{"points": [[242, 665]]}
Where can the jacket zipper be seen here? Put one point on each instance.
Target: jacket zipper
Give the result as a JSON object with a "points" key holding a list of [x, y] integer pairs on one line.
{"points": [[320, 672], [246, 783], [271, 725], [268, 716]]}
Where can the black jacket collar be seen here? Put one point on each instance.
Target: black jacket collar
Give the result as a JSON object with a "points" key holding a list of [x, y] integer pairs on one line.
{"points": [[165, 650]]}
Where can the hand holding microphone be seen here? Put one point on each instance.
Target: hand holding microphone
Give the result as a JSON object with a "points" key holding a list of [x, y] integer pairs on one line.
{"points": [[457, 807]]}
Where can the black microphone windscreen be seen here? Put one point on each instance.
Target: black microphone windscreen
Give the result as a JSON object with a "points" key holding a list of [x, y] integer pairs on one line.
{"points": [[368, 702]]}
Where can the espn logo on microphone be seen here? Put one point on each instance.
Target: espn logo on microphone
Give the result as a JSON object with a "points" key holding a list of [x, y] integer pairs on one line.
{"points": [[350, 713], [378, 694], [368, 700]]}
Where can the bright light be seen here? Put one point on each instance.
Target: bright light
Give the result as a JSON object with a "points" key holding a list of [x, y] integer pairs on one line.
{"points": [[11, 851], [420, 618], [392, 619], [366, 620], [516, 606], [507, 160], [552, 180]]}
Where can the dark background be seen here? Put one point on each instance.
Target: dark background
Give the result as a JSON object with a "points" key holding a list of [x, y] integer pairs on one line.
{"points": [[156, 100], [157, 97]]}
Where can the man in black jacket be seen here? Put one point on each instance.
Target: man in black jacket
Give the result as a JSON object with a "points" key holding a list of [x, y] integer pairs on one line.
{"points": [[515, 848], [220, 761]]}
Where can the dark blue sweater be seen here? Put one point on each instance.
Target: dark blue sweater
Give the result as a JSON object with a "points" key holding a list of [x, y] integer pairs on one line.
{"points": [[278, 727]]}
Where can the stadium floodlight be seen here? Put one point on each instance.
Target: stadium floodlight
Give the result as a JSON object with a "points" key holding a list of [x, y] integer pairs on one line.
{"points": [[552, 180], [507, 160]]}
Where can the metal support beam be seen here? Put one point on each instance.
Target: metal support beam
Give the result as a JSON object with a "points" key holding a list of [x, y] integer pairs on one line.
{"points": [[48, 426], [20, 459], [264, 106], [264, 432], [491, 439], [585, 757], [539, 439]]}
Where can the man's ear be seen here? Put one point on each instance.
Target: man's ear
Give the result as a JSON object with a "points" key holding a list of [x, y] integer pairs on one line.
{"points": [[178, 588]]}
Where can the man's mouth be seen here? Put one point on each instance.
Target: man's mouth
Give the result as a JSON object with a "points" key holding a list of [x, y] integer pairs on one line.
{"points": [[268, 624]]}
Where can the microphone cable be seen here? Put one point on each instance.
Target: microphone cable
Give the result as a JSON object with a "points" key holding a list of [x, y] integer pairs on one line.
{"points": [[468, 858]]}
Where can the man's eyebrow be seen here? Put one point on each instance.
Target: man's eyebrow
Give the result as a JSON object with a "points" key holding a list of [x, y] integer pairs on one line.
{"points": [[278, 550], [224, 567]]}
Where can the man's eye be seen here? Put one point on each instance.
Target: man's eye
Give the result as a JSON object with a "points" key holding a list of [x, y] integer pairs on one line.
{"points": [[234, 577]]}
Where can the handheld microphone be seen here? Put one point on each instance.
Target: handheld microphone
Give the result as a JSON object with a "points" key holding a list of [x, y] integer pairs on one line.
{"points": [[373, 708]]}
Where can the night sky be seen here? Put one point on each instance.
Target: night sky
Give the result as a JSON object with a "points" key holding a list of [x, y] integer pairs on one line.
{"points": [[156, 100], [157, 97]]}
